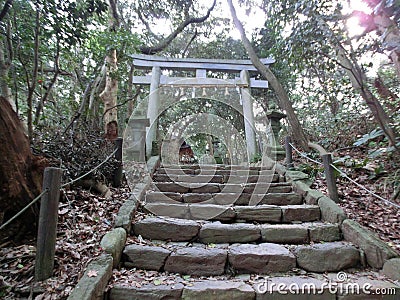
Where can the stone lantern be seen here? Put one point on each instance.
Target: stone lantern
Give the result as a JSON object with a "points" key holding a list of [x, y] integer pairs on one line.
{"points": [[274, 117]]}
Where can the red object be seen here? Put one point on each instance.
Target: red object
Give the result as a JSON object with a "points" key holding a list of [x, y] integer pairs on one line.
{"points": [[186, 154]]}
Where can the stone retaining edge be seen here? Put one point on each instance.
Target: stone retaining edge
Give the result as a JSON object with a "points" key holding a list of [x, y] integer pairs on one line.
{"points": [[95, 279], [98, 273]]}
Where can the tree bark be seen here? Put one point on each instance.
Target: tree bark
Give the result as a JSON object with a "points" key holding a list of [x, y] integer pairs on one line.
{"points": [[358, 80], [32, 84], [109, 94], [283, 99], [5, 64], [20, 171], [6, 8], [109, 97]]}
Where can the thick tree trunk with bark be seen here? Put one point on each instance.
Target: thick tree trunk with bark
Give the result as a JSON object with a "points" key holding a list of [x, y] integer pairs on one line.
{"points": [[20, 171], [283, 98]]}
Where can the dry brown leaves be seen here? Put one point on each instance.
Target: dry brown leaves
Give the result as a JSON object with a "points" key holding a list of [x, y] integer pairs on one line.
{"points": [[84, 218], [359, 205]]}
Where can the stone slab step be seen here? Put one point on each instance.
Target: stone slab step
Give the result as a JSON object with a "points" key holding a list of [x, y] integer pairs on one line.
{"points": [[213, 167], [259, 213], [230, 179], [272, 198], [311, 286], [188, 178], [264, 258], [327, 257], [202, 171], [257, 188], [156, 228], [206, 261], [170, 229], [235, 179]]}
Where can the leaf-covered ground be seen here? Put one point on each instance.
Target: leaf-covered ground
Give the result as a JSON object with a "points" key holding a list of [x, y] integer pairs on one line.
{"points": [[381, 176], [84, 218]]}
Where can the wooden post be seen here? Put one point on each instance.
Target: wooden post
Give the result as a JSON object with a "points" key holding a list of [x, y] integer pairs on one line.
{"points": [[117, 176], [330, 177], [289, 152], [48, 218]]}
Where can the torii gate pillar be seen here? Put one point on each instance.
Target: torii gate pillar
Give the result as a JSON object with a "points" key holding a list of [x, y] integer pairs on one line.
{"points": [[153, 109], [248, 115]]}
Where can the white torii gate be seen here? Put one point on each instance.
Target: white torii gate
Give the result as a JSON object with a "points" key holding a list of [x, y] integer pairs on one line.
{"points": [[200, 66]]}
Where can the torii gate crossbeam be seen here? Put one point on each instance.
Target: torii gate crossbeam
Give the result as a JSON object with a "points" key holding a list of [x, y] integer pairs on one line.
{"points": [[200, 66]]}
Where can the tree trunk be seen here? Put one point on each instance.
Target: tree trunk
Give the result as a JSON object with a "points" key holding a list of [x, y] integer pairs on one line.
{"points": [[109, 94], [32, 84], [359, 82], [283, 99], [5, 64], [109, 97], [20, 171]]}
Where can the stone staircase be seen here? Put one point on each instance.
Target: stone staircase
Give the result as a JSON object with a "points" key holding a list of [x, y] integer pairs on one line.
{"points": [[223, 232]]}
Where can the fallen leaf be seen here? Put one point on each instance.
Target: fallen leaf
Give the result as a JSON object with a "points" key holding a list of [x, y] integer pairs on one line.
{"points": [[63, 211], [92, 273], [157, 282]]}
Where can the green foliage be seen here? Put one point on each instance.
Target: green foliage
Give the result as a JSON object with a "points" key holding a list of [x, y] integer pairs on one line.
{"points": [[369, 136], [311, 169], [100, 42], [256, 158]]}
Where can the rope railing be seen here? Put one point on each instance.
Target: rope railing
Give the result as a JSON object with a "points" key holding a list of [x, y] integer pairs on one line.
{"points": [[91, 171], [62, 186], [305, 156], [365, 189], [24, 209], [48, 218], [343, 174]]}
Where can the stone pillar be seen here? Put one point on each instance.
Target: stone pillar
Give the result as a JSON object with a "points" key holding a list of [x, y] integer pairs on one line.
{"points": [[135, 149], [248, 115], [153, 109], [275, 148]]}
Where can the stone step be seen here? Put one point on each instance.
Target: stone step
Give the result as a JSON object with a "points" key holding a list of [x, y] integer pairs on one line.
{"points": [[274, 197], [219, 259], [188, 178], [257, 188], [229, 179], [260, 213], [311, 286], [213, 167], [200, 260], [225, 172], [170, 229]]}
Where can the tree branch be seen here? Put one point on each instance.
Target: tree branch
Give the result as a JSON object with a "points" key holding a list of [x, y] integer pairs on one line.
{"points": [[5, 9], [283, 98], [195, 34], [167, 41]]}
